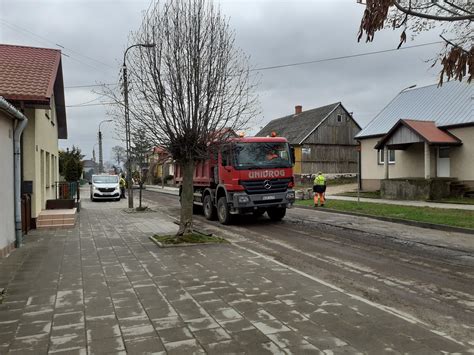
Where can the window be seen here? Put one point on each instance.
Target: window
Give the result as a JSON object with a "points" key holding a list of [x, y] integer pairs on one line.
{"points": [[339, 118], [48, 170], [306, 152], [443, 152], [381, 156]]}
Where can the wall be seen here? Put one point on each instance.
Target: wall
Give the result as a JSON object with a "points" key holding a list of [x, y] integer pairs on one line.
{"points": [[408, 163], [297, 167], [462, 158], [332, 146], [40, 144], [333, 132], [7, 217], [330, 159]]}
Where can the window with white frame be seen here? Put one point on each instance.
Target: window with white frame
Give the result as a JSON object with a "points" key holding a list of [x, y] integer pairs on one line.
{"points": [[339, 118], [381, 156]]}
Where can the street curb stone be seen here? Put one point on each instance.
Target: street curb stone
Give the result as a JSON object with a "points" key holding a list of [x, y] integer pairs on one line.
{"points": [[161, 245]]}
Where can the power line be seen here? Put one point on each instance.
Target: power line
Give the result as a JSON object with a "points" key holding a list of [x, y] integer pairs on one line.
{"points": [[47, 40], [307, 62], [344, 57], [88, 86], [98, 104]]}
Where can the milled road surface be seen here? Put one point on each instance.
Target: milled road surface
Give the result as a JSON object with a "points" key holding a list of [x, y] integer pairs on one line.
{"points": [[413, 270]]}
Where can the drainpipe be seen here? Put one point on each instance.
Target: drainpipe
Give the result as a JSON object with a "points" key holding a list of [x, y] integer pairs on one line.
{"points": [[7, 107]]}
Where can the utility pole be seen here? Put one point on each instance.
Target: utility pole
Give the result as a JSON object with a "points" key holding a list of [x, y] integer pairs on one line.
{"points": [[101, 159], [127, 120]]}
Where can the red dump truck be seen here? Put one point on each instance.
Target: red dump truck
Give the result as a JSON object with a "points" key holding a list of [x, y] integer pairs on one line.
{"points": [[246, 175]]}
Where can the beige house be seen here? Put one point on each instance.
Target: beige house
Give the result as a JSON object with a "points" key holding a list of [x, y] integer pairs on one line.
{"points": [[7, 218], [421, 145], [31, 80]]}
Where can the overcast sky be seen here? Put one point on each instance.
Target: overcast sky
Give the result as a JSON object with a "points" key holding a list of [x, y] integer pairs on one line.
{"points": [[93, 34]]}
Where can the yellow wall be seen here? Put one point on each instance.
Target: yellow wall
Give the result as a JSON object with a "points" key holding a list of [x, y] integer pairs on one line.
{"points": [[297, 167], [7, 218], [41, 139]]}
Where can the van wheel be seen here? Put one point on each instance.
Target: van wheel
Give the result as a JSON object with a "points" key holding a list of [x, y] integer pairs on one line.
{"points": [[209, 209], [92, 199], [276, 214], [223, 213]]}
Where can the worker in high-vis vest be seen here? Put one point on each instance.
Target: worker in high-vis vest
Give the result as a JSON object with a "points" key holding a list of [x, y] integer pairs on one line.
{"points": [[122, 184], [319, 188]]}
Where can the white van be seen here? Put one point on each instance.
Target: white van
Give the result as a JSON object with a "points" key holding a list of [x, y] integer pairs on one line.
{"points": [[105, 187]]}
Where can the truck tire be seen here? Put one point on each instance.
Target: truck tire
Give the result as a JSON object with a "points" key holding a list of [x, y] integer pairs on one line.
{"points": [[209, 209], [276, 214], [223, 213]]}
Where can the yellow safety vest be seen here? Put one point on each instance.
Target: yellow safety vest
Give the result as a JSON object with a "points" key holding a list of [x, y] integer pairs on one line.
{"points": [[320, 180]]}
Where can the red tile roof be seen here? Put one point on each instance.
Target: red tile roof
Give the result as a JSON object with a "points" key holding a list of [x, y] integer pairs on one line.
{"points": [[426, 130], [430, 133], [28, 73]]}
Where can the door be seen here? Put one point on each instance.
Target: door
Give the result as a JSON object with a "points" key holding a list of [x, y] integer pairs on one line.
{"points": [[443, 163]]}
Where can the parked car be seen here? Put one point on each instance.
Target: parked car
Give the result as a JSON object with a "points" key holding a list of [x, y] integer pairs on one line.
{"points": [[105, 187]]}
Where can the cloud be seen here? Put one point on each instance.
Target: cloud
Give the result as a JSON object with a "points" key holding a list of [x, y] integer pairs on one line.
{"points": [[95, 34]]}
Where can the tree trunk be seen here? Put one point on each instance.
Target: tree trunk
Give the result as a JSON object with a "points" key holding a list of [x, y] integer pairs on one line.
{"points": [[187, 191]]}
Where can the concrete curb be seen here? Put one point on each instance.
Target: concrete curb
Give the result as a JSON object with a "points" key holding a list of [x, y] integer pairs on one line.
{"points": [[161, 245], [441, 227], [386, 219]]}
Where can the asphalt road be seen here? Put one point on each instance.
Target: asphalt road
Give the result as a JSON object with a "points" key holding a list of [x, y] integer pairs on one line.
{"points": [[431, 282]]}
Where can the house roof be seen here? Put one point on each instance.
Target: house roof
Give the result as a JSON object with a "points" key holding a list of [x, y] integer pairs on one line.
{"points": [[89, 163], [295, 128], [33, 75], [449, 105], [426, 130]]}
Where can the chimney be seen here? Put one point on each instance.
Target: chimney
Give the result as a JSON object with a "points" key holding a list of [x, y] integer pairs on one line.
{"points": [[298, 109]]}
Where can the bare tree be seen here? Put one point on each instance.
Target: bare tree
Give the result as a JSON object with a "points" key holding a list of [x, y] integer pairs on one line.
{"points": [[454, 20], [119, 154], [194, 84]]}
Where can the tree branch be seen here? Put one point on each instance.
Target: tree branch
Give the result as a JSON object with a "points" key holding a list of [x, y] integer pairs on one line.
{"points": [[396, 3]]}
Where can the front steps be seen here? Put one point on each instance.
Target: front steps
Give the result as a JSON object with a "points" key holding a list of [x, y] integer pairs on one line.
{"points": [[56, 219]]}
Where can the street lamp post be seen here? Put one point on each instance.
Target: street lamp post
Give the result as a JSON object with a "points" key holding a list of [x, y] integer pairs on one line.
{"points": [[101, 160], [127, 119]]}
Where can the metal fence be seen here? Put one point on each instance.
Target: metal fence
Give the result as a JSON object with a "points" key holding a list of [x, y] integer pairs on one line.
{"points": [[67, 190]]}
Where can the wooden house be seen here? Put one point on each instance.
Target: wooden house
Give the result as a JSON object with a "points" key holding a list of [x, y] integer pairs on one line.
{"points": [[323, 139]]}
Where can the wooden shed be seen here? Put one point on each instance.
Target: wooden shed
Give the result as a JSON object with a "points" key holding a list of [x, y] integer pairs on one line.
{"points": [[323, 139]]}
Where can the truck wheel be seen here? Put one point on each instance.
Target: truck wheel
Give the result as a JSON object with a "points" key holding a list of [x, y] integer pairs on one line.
{"points": [[276, 214], [223, 212], [209, 209]]}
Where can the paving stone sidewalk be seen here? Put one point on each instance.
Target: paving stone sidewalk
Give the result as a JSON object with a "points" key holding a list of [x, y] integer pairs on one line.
{"points": [[104, 287]]}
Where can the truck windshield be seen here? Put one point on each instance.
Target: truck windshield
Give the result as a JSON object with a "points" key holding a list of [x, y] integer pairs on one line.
{"points": [[105, 179], [262, 155]]}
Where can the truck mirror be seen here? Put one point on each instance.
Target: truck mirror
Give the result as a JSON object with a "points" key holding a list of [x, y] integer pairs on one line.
{"points": [[292, 152]]}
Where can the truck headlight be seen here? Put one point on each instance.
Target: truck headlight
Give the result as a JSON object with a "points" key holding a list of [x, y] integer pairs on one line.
{"points": [[243, 199], [290, 195]]}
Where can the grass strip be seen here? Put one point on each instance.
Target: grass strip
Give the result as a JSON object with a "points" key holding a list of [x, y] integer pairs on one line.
{"points": [[194, 238], [449, 217]]}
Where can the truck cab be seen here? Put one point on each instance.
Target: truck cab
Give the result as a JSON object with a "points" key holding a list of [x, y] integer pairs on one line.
{"points": [[251, 175]]}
